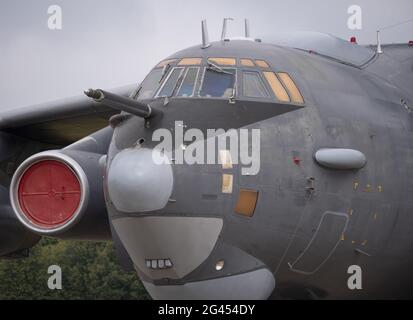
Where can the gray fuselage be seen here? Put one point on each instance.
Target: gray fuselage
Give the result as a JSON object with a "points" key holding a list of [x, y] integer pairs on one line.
{"points": [[310, 222]]}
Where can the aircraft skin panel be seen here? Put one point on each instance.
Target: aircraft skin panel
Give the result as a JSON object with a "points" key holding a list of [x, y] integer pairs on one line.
{"points": [[322, 245], [325, 44]]}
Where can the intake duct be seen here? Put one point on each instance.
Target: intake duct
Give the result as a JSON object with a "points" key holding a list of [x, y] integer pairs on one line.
{"points": [[60, 193]]}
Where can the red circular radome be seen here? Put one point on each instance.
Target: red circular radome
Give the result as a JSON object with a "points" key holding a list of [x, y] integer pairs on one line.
{"points": [[49, 193]]}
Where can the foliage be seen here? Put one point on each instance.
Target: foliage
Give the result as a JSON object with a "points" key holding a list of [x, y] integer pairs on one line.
{"points": [[89, 271]]}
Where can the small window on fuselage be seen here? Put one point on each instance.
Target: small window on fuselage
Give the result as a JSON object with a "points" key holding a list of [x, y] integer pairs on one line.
{"points": [[218, 83], [253, 86], [188, 84], [169, 85]]}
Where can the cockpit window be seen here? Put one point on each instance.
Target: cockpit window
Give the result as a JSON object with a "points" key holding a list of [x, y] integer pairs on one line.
{"points": [[150, 84], [190, 61], [289, 83], [262, 63], [247, 63], [223, 61], [219, 83], [169, 85], [253, 86], [276, 86], [188, 84], [165, 62]]}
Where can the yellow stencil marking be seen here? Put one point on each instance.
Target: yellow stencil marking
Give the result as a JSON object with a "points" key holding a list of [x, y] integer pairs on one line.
{"points": [[227, 183], [226, 160]]}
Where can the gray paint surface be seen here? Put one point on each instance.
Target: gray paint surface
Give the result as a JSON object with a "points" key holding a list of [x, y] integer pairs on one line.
{"points": [[254, 285], [186, 241], [324, 44]]}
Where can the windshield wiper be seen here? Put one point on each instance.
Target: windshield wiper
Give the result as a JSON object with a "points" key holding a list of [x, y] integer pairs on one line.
{"points": [[214, 67]]}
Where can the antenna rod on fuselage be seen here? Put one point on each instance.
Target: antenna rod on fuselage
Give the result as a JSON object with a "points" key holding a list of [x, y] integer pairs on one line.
{"points": [[205, 40], [247, 28], [224, 28], [379, 50]]}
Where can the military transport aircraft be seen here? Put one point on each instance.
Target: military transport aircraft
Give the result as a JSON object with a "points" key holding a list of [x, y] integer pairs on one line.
{"points": [[332, 191]]}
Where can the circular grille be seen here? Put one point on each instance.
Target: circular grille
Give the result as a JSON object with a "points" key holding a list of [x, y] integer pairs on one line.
{"points": [[49, 193]]}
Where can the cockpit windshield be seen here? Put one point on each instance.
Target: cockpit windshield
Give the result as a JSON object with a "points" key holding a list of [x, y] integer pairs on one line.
{"points": [[188, 84], [170, 83], [225, 78], [150, 84], [219, 83], [253, 86]]}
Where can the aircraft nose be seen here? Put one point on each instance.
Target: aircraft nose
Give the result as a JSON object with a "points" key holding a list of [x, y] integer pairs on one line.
{"points": [[139, 181], [170, 247]]}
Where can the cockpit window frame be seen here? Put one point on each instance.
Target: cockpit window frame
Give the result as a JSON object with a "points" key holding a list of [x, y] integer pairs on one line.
{"points": [[219, 98], [138, 90], [165, 62], [223, 61], [239, 70], [291, 86], [278, 90], [262, 81], [262, 64], [187, 68], [190, 61], [157, 95], [247, 63]]}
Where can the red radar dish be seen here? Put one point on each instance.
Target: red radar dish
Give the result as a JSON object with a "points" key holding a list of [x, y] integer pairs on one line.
{"points": [[49, 193]]}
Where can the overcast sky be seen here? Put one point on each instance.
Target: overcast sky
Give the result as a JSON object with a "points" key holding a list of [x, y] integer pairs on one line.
{"points": [[109, 43]]}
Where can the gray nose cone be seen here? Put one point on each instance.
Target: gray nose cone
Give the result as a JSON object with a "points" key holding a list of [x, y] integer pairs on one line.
{"points": [[138, 182]]}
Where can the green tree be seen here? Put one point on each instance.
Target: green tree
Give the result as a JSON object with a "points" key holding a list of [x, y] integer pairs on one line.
{"points": [[89, 271]]}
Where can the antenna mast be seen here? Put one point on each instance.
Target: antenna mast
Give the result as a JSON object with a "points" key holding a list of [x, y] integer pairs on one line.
{"points": [[247, 28], [379, 50], [205, 40], [224, 28]]}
